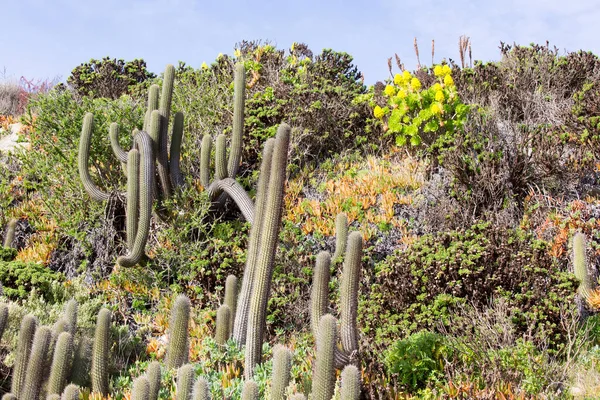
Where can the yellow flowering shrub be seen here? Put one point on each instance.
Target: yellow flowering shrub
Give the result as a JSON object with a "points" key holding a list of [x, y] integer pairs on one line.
{"points": [[412, 110]]}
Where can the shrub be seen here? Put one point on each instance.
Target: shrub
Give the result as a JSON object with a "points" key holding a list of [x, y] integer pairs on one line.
{"points": [[18, 279], [10, 99], [110, 78], [7, 253]]}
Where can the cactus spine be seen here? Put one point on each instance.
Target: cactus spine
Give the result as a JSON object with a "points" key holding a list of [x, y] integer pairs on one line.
{"points": [[70, 315], [223, 322], [3, 318], [323, 384], [243, 304], [231, 293], [71, 392], [185, 382], [100, 354], [9, 237], [177, 354], [297, 396], [201, 389], [349, 294], [61, 363], [153, 373], [341, 236], [80, 372], [9, 396], [319, 298], [266, 256], [141, 389], [250, 391], [83, 160], [53, 397], [282, 365], [350, 383], [36, 364], [26, 334]]}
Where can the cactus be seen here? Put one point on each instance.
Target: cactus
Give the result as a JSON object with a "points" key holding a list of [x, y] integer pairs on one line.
{"points": [[350, 383], [341, 236], [9, 237], [250, 391], [36, 364], [100, 355], [70, 315], [231, 293], [323, 384], [201, 389], [243, 304], [580, 264], [223, 322], [61, 363], [177, 354], [297, 396], [71, 392], [133, 196], [80, 372], [9, 396], [266, 256], [153, 374], [349, 294], [83, 160], [53, 397], [185, 382], [175, 152], [141, 389], [26, 334], [282, 364], [319, 297], [3, 318], [164, 109]]}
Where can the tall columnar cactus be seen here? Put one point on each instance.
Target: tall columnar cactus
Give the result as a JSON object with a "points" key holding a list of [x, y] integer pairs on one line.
{"points": [[80, 372], [350, 389], [341, 235], [61, 363], [53, 397], [177, 354], [282, 365], [243, 304], [101, 353], [153, 374], [269, 234], [164, 109], [3, 318], [250, 391], [9, 236], [71, 392], [231, 293], [580, 264], [297, 396], [9, 396], [319, 298], [223, 333], [185, 382], [37, 363], [141, 389], [201, 389], [323, 384], [70, 315], [25, 340]]}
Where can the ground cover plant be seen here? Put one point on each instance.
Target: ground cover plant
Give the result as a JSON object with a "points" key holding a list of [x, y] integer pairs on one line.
{"points": [[267, 226]]}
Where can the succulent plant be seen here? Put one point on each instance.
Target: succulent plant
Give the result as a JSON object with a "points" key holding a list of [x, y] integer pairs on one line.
{"points": [[25, 340], [223, 323], [101, 352], [177, 353], [36, 364], [282, 365], [185, 382], [61, 364]]}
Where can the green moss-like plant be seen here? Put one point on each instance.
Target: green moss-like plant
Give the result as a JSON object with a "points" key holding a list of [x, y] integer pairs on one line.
{"points": [[177, 353], [100, 355]]}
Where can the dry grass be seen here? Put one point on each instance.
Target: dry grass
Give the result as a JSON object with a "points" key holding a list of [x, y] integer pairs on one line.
{"points": [[10, 98]]}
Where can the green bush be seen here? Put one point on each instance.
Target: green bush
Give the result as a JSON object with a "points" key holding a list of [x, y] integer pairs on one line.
{"points": [[18, 279], [418, 359], [110, 78], [7, 253]]}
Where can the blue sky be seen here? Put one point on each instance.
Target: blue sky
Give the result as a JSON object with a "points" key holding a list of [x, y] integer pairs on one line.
{"points": [[48, 38]]}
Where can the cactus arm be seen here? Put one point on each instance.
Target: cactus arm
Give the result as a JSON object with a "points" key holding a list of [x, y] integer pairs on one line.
{"points": [[323, 384], [205, 161], [349, 294], [71, 392], [243, 304], [231, 293], [113, 135], [61, 363], [319, 298], [350, 389], [26, 334], [83, 160], [201, 389], [153, 374], [268, 246], [36, 364], [239, 95], [146, 197], [9, 237], [223, 321], [185, 382], [101, 353], [220, 158], [237, 193], [177, 354], [341, 236], [250, 390], [580, 264], [165, 113], [3, 318], [133, 195], [70, 315], [282, 365], [175, 152], [141, 389]]}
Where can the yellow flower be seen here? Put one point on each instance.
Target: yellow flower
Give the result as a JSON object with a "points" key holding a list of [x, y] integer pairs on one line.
{"points": [[439, 96], [415, 84], [237, 53], [401, 94], [438, 70], [406, 75], [436, 87], [398, 80], [448, 81], [389, 91], [446, 70], [378, 112], [436, 108], [204, 66]]}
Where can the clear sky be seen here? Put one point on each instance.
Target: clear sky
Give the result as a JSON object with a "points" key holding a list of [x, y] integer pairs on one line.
{"points": [[48, 38]]}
